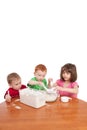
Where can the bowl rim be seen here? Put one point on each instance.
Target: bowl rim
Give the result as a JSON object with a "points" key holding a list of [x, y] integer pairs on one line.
{"points": [[64, 98]]}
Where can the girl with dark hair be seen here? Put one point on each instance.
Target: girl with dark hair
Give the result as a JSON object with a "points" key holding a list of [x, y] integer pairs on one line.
{"points": [[67, 85]]}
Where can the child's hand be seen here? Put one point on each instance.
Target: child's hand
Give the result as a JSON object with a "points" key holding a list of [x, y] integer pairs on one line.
{"points": [[41, 83], [8, 98], [50, 80], [59, 88]]}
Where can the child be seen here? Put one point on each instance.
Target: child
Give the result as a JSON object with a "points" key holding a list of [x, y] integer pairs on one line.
{"points": [[14, 82], [38, 81], [67, 85]]}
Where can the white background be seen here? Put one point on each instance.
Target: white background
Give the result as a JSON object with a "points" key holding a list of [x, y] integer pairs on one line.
{"points": [[51, 32]]}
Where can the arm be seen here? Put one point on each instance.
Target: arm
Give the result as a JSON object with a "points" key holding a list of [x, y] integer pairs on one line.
{"points": [[32, 82], [71, 90], [7, 96], [50, 85], [11, 93]]}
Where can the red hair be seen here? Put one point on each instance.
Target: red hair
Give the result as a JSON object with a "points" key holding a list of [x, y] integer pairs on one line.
{"points": [[41, 67]]}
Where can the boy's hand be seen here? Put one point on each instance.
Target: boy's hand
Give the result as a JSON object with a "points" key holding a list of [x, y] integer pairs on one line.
{"points": [[8, 98], [50, 80], [41, 83]]}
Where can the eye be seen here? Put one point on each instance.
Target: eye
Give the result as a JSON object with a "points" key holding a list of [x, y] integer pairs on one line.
{"points": [[16, 84], [68, 72]]}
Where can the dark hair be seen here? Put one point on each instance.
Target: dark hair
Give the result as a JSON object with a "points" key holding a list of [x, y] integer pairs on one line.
{"points": [[71, 68]]}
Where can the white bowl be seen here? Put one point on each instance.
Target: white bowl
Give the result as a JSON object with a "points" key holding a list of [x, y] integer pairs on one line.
{"points": [[51, 97], [64, 99]]}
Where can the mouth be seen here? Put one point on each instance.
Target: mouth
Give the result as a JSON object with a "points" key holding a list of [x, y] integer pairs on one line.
{"points": [[65, 78]]}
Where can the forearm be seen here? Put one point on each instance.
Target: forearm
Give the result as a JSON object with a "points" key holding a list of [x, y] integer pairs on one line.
{"points": [[8, 98], [71, 90], [31, 82], [50, 83]]}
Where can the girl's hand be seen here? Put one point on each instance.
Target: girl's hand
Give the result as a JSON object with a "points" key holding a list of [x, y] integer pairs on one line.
{"points": [[59, 88]]}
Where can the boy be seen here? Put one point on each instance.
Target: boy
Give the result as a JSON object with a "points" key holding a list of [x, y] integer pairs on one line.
{"points": [[14, 82], [38, 81]]}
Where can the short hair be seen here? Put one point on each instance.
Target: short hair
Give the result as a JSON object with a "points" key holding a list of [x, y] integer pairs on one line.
{"points": [[12, 76], [71, 68], [40, 67]]}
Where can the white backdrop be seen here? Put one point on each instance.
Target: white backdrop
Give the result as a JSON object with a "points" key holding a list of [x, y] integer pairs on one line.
{"points": [[51, 32]]}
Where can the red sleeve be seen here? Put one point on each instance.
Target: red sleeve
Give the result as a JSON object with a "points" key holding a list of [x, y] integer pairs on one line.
{"points": [[13, 92], [23, 86]]}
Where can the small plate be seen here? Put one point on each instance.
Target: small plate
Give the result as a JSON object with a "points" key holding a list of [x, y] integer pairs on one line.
{"points": [[65, 99]]}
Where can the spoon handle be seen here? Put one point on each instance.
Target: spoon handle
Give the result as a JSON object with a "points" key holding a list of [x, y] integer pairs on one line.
{"points": [[45, 87]]}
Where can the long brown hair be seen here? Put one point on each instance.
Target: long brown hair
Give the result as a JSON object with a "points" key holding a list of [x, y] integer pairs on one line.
{"points": [[71, 68]]}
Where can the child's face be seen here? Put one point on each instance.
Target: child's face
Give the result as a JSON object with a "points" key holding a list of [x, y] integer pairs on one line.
{"points": [[40, 75], [16, 84], [66, 75]]}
